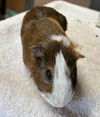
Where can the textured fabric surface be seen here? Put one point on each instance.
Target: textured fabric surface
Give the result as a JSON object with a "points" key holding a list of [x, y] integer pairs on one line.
{"points": [[19, 96]]}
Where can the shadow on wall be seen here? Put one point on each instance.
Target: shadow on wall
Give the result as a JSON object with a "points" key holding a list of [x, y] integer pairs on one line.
{"points": [[95, 4]]}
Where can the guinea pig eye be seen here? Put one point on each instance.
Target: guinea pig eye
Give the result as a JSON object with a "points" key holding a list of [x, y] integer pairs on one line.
{"points": [[48, 75]]}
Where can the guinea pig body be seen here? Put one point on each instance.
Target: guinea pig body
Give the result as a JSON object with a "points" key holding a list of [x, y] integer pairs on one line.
{"points": [[49, 55]]}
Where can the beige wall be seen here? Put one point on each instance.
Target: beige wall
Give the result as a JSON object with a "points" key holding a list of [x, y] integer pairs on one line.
{"points": [[85, 3]]}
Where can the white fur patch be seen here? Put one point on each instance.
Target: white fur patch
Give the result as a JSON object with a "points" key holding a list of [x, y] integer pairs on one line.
{"points": [[62, 92], [60, 38]]}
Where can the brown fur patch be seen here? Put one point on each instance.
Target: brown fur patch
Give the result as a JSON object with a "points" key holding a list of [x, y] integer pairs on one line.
{"points": [[41, 64], [57, 23], [41, 13]]}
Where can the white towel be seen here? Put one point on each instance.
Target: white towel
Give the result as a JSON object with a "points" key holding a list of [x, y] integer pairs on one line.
{"points": [[19, 96]]}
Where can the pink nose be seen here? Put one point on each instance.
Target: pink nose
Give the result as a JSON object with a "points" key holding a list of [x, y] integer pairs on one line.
{"points": [[58, 102]]}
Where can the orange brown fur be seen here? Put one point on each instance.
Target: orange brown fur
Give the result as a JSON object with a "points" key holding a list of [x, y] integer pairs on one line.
{"points": [[57, 23], [73, 47]]}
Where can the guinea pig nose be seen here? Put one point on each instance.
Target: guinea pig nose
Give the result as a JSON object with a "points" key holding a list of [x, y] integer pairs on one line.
{"points": [[58, 102]]}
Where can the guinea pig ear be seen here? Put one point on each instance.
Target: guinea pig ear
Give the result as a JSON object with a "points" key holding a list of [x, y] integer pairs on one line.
{"points": [[63, 21], [38, 51], [78, 55]]}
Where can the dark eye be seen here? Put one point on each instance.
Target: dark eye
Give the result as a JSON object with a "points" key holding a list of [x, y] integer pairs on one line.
{"points": [[48, 75]]}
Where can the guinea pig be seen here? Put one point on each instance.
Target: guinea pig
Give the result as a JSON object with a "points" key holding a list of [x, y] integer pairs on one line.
{"points": [[50, 55]]}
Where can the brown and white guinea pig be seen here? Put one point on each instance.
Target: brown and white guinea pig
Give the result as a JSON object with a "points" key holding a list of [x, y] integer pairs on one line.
{"points": [[49, 54]]}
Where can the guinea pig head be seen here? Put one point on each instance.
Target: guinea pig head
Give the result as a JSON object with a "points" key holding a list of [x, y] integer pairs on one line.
{"points": [[54, 71]]}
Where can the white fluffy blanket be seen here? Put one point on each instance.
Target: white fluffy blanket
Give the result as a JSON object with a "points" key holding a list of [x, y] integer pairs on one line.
{"points": [[18, 94]]}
